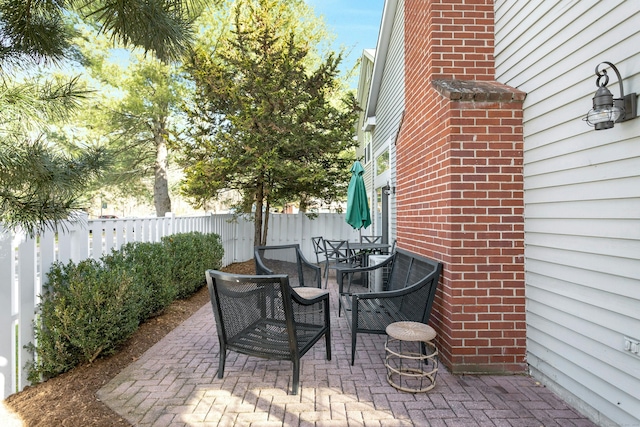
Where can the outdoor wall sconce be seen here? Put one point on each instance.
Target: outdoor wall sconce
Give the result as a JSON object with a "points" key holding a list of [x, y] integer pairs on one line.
{"points": [[389, 190], [606, 110]]}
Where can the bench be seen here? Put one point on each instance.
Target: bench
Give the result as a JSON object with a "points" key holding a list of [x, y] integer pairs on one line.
{"points": [[289, 260], [409, 287]]}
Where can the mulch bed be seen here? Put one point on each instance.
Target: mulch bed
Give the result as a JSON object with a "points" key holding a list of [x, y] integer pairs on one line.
{"points": [[70, 399]]}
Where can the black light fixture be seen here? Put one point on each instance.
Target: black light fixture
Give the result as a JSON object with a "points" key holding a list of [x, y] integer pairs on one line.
{"points": [[608, 110]]}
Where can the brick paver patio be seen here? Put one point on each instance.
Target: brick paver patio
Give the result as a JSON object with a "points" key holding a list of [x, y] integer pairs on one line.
{"points": [[175, 384]]}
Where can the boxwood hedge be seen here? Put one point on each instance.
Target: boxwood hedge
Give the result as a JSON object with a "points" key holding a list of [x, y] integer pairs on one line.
{"points": [[90, 308]]}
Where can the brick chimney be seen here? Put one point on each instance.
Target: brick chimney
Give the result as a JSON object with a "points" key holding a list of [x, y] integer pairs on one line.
{"points": [[460, 183]]}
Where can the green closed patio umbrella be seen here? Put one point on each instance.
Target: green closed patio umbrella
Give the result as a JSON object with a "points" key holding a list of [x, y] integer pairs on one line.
{"points": [[358, 214]]}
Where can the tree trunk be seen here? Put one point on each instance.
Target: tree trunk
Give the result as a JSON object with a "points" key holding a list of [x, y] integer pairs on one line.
{"points": [[161, 198], [304, 202], [257, 229], [266, 223]]}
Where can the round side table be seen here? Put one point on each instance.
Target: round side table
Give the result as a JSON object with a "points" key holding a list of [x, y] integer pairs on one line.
{"points": [[411, 357]]}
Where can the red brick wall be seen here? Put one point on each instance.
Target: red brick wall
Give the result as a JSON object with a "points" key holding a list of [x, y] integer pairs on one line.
{"points": [[460, 185]]}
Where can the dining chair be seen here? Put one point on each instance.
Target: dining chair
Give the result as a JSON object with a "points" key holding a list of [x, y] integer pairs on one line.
{"points": [[337, 255], [370, 239], [318, 248]]}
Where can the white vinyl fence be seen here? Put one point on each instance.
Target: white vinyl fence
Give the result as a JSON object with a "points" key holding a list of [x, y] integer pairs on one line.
{"points": [[24, 262]]}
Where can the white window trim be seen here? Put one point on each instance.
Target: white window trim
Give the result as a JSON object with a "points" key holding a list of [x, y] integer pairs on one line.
{"points": [[385, 177]]}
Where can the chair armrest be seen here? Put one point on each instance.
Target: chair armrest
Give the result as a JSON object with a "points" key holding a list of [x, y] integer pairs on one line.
{"points": [[311, 311], [403, 295], [349, 270], [306, 262], [261, 268], [425, 281]]}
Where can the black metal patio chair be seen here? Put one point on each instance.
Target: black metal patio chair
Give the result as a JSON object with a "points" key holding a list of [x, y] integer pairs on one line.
{"points": [[409, 287], [289, 260], [338, 255], [370, 239], [262, 316], [318, 249]]}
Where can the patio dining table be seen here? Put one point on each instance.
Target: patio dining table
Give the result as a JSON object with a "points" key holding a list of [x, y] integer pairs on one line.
{"points": [[356, 247], [365, 249]]}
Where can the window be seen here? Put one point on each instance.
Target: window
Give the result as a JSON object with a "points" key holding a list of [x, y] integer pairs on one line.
{"points": [[382, 162], [367, 147], [381, 167]]}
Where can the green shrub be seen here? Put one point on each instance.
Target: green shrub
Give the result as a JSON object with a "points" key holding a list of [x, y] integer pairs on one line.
{"points": [[86, 311], [191, 254], [146, 263]]}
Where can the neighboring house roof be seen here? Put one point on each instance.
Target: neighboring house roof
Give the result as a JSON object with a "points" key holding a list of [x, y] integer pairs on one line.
{"points": [[369, 53], [364, 84], [384, 37]]}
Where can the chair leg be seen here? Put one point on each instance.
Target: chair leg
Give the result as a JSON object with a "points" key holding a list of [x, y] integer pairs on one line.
{"points": [[326, 276], [222, 358], [296, 376], [327, 339], [326, 282], [339, 280], [354, 336], [350, 282]]}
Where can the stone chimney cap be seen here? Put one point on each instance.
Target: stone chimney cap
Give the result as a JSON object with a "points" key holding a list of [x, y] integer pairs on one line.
{"points": [[478, 91]]}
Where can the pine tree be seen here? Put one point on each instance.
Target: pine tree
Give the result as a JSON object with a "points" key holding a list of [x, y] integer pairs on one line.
{"points": [[39, 185], [267, 121]]}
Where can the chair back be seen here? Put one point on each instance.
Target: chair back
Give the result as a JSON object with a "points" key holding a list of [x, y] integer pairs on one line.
{"points": [[370, 239], [289, 260], [240, 301], [409, 270], [337, 251], [318, 248]]}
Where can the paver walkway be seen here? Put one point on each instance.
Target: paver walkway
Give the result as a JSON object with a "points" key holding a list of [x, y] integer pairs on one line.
{"points": [[8, 417], [175, 384]]}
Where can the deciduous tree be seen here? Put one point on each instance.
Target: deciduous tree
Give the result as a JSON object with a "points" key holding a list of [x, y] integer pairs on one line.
{"points": [[138, 123]]}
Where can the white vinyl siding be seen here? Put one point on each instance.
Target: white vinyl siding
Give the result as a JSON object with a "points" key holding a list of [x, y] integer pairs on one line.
{"points": [[582, 198], [391, 105], [364, 138], [364, 84]]}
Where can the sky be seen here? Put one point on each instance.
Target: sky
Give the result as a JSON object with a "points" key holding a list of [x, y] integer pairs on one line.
{"points": [[355, 23]]}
